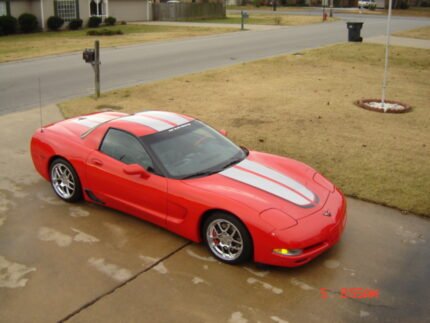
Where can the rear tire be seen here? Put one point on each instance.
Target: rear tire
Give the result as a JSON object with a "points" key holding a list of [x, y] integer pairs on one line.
{"points": [[227, 238], [65, 181]]}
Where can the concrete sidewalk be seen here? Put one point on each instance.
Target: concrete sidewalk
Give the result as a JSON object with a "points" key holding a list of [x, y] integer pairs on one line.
{"points": [[400, 41], [85, 263]]}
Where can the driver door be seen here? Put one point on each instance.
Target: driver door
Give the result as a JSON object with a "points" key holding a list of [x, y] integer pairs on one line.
{"points": [[110, 185]]}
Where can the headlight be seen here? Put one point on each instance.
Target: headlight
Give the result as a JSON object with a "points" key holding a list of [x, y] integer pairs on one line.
{"points": [[287, 252]]}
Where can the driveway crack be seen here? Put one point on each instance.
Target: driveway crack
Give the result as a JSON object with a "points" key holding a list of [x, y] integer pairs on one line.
{"points": [[111, 291]]}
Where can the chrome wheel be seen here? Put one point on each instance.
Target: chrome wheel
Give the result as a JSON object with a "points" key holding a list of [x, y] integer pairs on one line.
{"points": [[224, 239], [63, 181]]}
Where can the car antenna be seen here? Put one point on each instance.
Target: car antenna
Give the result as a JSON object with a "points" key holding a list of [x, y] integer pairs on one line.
{"points": [[40, 105]]}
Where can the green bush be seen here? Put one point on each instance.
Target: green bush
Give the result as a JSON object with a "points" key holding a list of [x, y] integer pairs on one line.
{"points": [[55, 23], [257, 3], [104, 32], [94, 22], [404, 5], [110, 21], [8, 25], [28, 23], [75, 24]]}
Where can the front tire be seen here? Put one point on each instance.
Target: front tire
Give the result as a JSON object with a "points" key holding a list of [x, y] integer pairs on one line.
{"points": [[65, 181], [227, 238]]}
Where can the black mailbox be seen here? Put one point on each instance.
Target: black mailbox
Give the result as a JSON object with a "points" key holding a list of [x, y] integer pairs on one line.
{"points": [[245, 14], [89, 55]]}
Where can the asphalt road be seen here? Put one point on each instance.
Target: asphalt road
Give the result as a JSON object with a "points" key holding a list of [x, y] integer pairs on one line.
{"points": [[67, 76]]}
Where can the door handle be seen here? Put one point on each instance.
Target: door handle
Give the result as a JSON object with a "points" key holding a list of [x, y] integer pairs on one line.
{"points": [[96, 162]]}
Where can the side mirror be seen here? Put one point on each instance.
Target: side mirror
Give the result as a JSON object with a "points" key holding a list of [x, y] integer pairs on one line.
{"points": [[135, 169], [223, 132]]}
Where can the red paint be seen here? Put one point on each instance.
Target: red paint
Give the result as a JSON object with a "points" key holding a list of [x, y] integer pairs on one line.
{"points": [[351, 292]]}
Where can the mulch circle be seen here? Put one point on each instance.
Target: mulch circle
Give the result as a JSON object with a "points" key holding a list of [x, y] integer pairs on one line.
{"points": [[400, 107]]}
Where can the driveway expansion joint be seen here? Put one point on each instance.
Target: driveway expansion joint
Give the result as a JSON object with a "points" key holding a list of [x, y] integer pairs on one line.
{"points": [[95, 300]]}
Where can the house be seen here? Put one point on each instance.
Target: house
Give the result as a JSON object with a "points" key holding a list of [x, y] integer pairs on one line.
{"points": [[127, 10]]}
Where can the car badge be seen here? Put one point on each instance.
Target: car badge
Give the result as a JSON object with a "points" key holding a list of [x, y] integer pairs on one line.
{"points": [[327, 213]]}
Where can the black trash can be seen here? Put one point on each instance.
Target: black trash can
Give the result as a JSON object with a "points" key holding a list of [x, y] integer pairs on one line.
{"points": [[354, 29]]}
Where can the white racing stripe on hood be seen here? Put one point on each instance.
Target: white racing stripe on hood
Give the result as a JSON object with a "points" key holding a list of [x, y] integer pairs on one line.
{"points": [[167, 116], [148, 122], [265, 185], [278, 177]]}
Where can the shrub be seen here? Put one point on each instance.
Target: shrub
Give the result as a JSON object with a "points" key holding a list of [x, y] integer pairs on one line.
{"points": [[404, 5], [94, 22], [123, 22], [55, 23], [257, 3], [8, 25], [28, 23], [110, 21], [104, 32], [75, 24], [372, 6], [425, 4]]}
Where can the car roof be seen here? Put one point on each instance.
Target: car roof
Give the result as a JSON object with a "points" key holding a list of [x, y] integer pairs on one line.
{"points": [[149, 122]]}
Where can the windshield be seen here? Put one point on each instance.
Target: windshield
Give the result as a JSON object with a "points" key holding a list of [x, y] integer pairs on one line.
{"points": [[193, 149]]}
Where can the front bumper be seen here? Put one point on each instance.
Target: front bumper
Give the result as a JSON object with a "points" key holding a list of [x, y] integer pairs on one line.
{"points": [[314, 234]]}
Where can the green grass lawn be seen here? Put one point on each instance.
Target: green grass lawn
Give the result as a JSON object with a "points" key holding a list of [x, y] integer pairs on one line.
{"points": [[22, 46], [301, 106]]}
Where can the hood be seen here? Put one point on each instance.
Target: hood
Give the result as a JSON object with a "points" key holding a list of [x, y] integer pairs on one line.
{"points": [[264, 181]]}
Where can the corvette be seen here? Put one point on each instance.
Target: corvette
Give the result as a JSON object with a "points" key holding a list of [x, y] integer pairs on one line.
{"points": [[179, 173]]}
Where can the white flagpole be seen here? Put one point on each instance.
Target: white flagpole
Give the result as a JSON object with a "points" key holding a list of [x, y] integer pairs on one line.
{"points": [[387, 45]]}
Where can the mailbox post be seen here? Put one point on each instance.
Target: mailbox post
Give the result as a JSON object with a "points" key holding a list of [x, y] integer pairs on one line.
{"points": [[92, 56], [243, 15]]}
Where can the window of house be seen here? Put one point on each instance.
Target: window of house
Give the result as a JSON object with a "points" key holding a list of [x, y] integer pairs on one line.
{"points": [[98, 8], [66, 9], [3, 8]]}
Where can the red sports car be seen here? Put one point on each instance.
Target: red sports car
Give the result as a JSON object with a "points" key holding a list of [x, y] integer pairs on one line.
{"points": [[177, 172]]}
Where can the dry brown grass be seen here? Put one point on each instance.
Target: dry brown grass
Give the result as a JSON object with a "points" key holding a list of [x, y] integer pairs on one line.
{"points": [[301, 106], [419, 33], [260, 19], [23, 46], [411, 12]]}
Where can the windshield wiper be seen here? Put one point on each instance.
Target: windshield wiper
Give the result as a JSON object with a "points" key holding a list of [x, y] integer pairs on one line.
{"points": [[233, 162], [211, 172], [199, 174]]}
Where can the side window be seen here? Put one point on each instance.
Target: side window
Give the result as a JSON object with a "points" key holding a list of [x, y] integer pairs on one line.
{"points": [[125, 148]]}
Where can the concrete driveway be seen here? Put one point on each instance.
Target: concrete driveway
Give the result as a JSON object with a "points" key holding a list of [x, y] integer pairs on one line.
{"points": [[85, 263]]}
